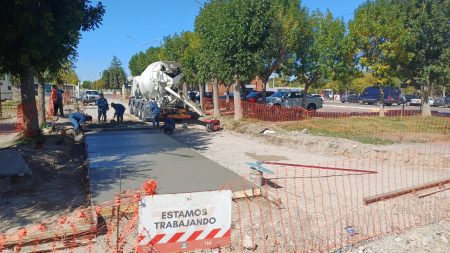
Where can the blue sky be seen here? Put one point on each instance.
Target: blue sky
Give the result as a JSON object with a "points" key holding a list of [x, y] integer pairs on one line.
{"points": [[134, 25]]}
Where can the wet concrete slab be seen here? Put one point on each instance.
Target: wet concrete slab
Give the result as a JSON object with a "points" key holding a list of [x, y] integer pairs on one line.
{"points": [[139, 155]]}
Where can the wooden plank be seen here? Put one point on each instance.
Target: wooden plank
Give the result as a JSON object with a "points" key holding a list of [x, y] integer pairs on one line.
{"points": [[246, 193], [431, 193], [396, 193]]}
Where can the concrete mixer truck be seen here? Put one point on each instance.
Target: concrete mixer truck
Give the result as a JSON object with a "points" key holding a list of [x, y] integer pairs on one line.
{"points": [[159, 81]]}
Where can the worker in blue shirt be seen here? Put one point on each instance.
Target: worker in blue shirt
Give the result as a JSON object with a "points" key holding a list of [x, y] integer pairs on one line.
{"points": [[102, 104], [77, 119], [119, 110], [169, 125], [154, 109]]}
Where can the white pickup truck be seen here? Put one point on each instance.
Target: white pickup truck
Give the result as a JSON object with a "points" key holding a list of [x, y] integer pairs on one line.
{"points": [[294, 97]]}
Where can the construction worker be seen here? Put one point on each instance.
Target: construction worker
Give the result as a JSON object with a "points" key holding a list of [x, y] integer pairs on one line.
{"points": [[154, 109], [119, 110], [54, 99], [169, 125], [77, 119], [59, 102], [102, 105]]}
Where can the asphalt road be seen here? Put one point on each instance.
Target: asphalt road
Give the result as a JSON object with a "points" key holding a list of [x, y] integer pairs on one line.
{"points": [[337, 106]]}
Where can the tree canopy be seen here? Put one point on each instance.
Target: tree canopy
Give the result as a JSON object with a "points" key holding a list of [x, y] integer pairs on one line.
{"points": [[114, 77], [236, 41], [140, 61], [38, 35]]}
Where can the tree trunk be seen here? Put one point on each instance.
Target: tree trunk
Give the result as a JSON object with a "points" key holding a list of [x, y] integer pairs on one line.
{"points": [[426, 108], [216, 98], [305, 92], [185, 93], [30, 116], [381, 112], [201, 92], [41, 101], [237, 100]]}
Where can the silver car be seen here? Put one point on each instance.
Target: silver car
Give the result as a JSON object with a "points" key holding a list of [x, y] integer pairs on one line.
{"points": [[90, 96], [292, 98]]}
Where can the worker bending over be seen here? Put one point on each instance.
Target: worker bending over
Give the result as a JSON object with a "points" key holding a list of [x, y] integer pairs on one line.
{"points": [[77, 119], [169, 125], [119, 110], [102, 105]]}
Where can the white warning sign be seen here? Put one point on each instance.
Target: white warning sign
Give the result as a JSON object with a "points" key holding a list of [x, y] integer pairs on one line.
{"points": [[185, 221]]}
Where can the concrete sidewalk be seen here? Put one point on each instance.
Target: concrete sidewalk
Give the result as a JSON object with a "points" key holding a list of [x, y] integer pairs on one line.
{"points": [[140, 155]]}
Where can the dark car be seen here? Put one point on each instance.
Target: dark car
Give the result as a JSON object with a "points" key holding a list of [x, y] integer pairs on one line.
{"points": [[350, 99], [406, 99], [447, 102], [372, 95], [231, 95], [206, 94], [254, 96]]}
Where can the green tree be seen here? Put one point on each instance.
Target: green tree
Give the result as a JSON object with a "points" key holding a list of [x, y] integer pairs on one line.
{"points": [[427, 44], [378, 35], [320, 56], [114, 77], [86, 85], [286, 31], [140, 61], [68, 75], [39, 35], [360, 83], [210, 55], [183, 48], [233, 33]]}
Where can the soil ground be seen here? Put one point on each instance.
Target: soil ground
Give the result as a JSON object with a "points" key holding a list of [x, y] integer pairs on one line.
{"points": [[57, 187]]}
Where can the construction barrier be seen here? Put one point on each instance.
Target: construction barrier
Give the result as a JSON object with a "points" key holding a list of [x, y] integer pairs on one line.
{"points": [[10, 119], [300, 208], [11, 116], [357, 194]]}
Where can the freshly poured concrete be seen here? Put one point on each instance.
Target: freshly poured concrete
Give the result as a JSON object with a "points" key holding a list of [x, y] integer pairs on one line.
{"points": [[151, 154]]}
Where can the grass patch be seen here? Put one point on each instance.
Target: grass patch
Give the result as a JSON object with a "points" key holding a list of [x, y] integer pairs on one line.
{"points": [[377, 130]]}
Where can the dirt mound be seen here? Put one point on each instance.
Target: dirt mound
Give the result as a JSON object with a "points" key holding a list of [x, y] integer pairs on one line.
{"points": [[58, 184]]}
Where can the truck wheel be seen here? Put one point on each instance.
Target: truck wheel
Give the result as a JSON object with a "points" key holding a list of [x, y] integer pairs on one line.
{"points": [[141, 113], [311, 107]]}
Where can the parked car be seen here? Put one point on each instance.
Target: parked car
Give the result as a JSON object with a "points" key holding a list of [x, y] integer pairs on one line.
{"points": [[206, 94], [438, 101], [415, 101], [90, 96], [372, 95], [291, 98], [231, 95], [254, 96], [406, 99], [350, 98], [316, 96], [447, 102], [193, 94]]}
